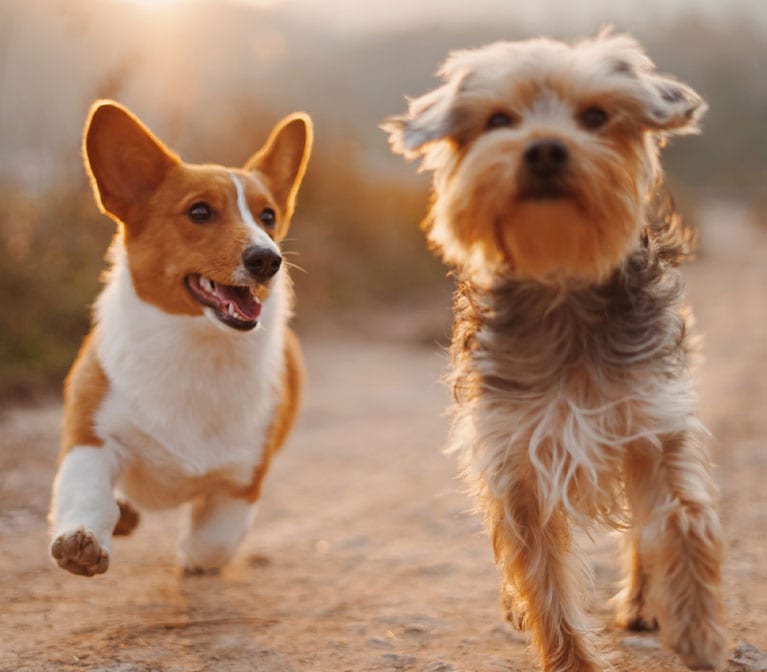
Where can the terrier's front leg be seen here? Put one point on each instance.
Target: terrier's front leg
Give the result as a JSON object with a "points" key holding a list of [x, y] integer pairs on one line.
{"points": [[217, 525], [682, 543], [540, 577], [84, 511], [641, 475], [632, 612]]}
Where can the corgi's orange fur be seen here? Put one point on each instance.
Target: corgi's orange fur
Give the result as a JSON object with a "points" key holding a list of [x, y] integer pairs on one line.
{"points": [[190, 379]]}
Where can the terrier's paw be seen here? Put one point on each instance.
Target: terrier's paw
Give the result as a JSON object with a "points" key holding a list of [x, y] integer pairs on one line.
{"points": [[702, 647], [191, 570], [631, 609], [514, 609], [79, 552], [641, 624], [634, 616]]}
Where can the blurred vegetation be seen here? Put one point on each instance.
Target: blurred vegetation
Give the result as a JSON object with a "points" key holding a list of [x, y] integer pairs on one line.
{"points": [[353, 242], [355, 236], [213, 84], [52, 247]]}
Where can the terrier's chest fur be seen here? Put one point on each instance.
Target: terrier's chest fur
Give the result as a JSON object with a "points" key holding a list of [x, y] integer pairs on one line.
{"points": [[567, 382]]}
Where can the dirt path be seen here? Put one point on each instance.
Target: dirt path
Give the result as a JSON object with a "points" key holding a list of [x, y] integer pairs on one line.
{"points": [[365, 555]]}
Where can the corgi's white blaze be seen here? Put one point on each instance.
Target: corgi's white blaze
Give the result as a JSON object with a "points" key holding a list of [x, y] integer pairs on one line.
{"points": [[258, 235], [189, 404]]}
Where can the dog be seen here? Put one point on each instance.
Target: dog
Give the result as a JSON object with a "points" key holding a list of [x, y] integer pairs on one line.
{"points": [[190, 378], [572, 349]]}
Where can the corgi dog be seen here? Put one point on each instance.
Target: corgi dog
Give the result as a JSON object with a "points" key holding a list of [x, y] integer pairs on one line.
{"points": [[190, 378]]}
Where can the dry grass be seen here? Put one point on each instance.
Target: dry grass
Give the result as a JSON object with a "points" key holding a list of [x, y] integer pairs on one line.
{"points": [[355, 240]]}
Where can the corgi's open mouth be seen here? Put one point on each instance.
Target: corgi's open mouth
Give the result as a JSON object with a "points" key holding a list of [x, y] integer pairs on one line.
{"points": [[233, 305]]}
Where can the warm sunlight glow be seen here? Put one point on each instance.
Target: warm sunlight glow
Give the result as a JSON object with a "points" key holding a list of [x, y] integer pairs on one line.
{"points": [[159, 4], [155, 4], [262, 3]]}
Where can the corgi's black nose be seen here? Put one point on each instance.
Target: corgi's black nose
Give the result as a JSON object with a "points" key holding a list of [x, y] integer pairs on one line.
{"points": [[262, 262]]}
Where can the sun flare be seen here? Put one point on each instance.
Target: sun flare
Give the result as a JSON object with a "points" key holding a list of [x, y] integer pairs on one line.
{"points": [[155, 4], [160, 4]]}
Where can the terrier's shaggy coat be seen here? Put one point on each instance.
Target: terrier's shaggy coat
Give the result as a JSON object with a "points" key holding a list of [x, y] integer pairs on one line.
{"points": [[571, 346]]}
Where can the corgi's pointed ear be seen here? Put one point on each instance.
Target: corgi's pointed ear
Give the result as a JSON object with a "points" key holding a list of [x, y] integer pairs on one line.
{"points": [[284, 157], [125, 161]]}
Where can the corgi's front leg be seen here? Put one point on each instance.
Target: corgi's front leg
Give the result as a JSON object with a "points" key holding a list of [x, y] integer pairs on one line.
{"points": [[84, 511], [216, 526]]}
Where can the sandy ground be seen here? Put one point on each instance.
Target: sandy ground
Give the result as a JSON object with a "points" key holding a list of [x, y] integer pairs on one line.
{"points": [[365, 554]]}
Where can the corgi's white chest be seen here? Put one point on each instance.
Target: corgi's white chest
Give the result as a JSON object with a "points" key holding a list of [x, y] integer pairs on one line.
{"points": [[189, 401]]}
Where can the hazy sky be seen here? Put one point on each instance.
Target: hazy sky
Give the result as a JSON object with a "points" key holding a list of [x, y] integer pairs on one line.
{"points": [[382, 15]]}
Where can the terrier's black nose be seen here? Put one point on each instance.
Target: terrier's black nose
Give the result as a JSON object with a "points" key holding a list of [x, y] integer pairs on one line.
{"points": [[261, 262], [546, 158]]}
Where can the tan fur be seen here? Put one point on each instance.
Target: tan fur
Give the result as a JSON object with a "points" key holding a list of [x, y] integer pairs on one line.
{"points": [[129, 519], [682, 592], [290, 394], [157, 418], [123, 181], [571, 339], [584, 237], [277, 160], [84, 389], [168, 250], [538, 569], [163, 245]]}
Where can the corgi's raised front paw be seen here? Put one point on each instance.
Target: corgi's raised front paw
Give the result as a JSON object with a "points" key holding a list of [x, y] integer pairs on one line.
{"points": [[79, 552]]}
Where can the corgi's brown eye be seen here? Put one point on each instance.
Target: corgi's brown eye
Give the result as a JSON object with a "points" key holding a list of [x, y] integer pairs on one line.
{"points": [[500, 120], [268, 218], [200, 213], [593, 118]]}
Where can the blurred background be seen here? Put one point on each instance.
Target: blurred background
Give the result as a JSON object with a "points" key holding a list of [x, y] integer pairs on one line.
{"points": [[211, 77]]}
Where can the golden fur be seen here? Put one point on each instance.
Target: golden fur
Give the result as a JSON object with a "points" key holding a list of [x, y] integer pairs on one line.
{"points": [[571, 346], [222, 400], [84, 389], [290, 394], [162, 244]]}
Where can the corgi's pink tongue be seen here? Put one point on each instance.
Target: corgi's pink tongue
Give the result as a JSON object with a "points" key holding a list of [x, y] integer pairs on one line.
{"points": [[235, 306], [238, 300]]}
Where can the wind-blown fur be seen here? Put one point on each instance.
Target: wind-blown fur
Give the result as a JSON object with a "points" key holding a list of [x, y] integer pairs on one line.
{"points": [[561, 397], [572, 347], [577, 377]]}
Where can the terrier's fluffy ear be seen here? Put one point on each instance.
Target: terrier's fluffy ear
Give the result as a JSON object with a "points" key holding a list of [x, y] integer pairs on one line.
{"points": [[429, 119], [670, 106], [664, 104]]}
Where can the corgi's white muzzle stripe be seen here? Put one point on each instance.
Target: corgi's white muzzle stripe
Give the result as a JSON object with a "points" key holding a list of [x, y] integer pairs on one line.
{"points": [[258, 235]]}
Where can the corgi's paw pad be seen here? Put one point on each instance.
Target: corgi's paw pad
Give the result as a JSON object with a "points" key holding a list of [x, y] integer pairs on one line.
{"points": [[80, 553]]}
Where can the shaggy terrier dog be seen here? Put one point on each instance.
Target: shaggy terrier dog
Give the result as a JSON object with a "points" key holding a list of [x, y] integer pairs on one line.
{"points": [[571, 346]]}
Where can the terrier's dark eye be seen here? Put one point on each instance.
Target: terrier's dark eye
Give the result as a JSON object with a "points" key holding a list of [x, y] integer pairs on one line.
{"points": [[593, 118], [500, 120], [200, 213], [268, 218]]}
